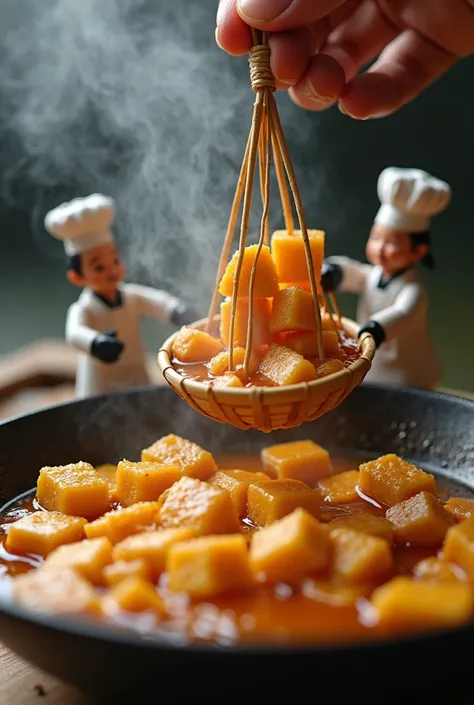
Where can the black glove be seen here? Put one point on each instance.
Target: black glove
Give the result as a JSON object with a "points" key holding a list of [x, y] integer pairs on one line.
{"points": [[183, 315], [106, 347], [331, 276], [375, 330]]}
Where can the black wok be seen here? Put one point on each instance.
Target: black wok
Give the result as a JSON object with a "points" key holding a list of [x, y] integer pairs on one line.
{"points": [[434, 430]]}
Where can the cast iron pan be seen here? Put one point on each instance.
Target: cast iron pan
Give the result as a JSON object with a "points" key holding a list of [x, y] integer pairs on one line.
{"points": [[434, 430]]}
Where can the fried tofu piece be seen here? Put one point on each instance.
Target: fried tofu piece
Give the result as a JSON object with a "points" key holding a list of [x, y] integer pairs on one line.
{"points": [[219, 364], [289, 254], [283, 366], [365, 523], [75, 489], [460, 508], [143, 482], [193, 345], [108, 472], [290, 549], [228, 380], [191, 459], [406, 603], [458, 546], [298, 460], [260, 331], [438, 570], [306, 343], [274, 499], [88, 558], [292, 310], [419, 521], [360, 558], [202, 507], [62, 591], [266, 279], [118, 571], [209, 566], [237, 482], [390, 480], [40, 533], [340, 488], [136, 595], [151, 547], [120, 523]]}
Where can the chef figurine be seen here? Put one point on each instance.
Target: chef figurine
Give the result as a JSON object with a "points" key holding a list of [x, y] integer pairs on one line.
{"points": [[104, 323], [393, 303]]}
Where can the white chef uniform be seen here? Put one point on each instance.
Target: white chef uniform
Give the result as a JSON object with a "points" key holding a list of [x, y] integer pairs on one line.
{"points": [[84, 224], [409, 199]]}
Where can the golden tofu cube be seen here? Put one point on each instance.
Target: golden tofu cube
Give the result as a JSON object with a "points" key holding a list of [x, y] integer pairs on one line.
{"points": [[437, 570], [419, 521], [328, 367], [390, 480], [108, 472], [116, 572], [227, 380], [260, 331], [273, 500], [61, 591], [283, 366], [292, 310], [75, 489], [209, 566], [306, 344], [289, 254], [360, 558], [266, 279], [202, 507], [459, 546], [120, 523], [136, 595], [191, 459], [151, 547], [340, 488], [460, 508], [88, 558], [333, 593], [407, 604], [143, 482], [297, 460], [40, 533], [290, 549], [365, 523], [219, 364], [237, 482], [192, 345], [327, 322]]}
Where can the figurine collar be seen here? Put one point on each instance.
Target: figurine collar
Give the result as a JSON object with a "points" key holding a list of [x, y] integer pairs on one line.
{"points": [[107, 302], [384, 283]]}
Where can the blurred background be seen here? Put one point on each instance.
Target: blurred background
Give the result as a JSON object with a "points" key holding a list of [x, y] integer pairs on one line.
{"points": [[135, 100]]}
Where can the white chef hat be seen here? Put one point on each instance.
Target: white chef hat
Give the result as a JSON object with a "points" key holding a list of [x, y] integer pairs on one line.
{"points": [[83, 223], [410, 198]]}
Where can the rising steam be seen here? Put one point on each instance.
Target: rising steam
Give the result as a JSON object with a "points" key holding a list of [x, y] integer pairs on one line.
{"points": [[134, 99]]}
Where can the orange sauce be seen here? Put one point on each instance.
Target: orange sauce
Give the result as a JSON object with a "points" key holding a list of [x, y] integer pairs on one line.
{"points": [[315, 612]]}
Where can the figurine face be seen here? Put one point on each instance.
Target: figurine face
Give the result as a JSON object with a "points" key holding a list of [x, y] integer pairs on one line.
{"points": [[102, 269], [392, 249]]}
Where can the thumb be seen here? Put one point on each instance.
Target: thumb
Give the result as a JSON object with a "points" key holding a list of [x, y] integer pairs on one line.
{"points": [[278, 15]]}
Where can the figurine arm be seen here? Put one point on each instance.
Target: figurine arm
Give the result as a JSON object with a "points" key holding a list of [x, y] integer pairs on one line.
{"points": [[347, 274], [161, 305], [394, 318], [77, 331]]}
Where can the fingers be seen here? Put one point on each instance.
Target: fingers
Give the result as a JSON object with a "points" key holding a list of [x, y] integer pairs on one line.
{"points": [[407, 66], [322, 84], [278, 15], [360, 37], [232, 33]]}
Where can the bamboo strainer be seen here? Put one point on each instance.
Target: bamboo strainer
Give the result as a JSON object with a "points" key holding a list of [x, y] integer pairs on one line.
{"points": [[266, 408]]}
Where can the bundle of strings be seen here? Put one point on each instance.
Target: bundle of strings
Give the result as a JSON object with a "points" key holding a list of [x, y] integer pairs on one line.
{"points": [[266, 140]]}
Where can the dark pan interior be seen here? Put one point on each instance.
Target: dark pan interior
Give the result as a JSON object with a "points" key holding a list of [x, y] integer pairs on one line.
{"points": [[434, 430]]}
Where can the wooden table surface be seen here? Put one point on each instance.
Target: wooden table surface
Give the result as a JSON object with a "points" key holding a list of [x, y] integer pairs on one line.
{"points": [[20, 683]]}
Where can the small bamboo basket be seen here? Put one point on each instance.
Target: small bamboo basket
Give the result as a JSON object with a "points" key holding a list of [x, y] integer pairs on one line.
{"points": [[267, 408]]}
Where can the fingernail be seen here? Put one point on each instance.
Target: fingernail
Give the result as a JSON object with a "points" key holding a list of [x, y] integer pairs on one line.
{"points": [[217, 38], [263, 10], [310, 92], [220, 14], [345, 112]]}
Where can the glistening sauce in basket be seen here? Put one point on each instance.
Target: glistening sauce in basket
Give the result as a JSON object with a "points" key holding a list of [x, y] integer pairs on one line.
{"points": [[316, 611]]}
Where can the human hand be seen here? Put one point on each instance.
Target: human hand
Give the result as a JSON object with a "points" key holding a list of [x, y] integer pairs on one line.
{"points": [[318, 47]]}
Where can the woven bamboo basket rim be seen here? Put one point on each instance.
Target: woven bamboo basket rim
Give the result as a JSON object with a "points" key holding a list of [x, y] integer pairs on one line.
{"points": [[281, 394]]}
